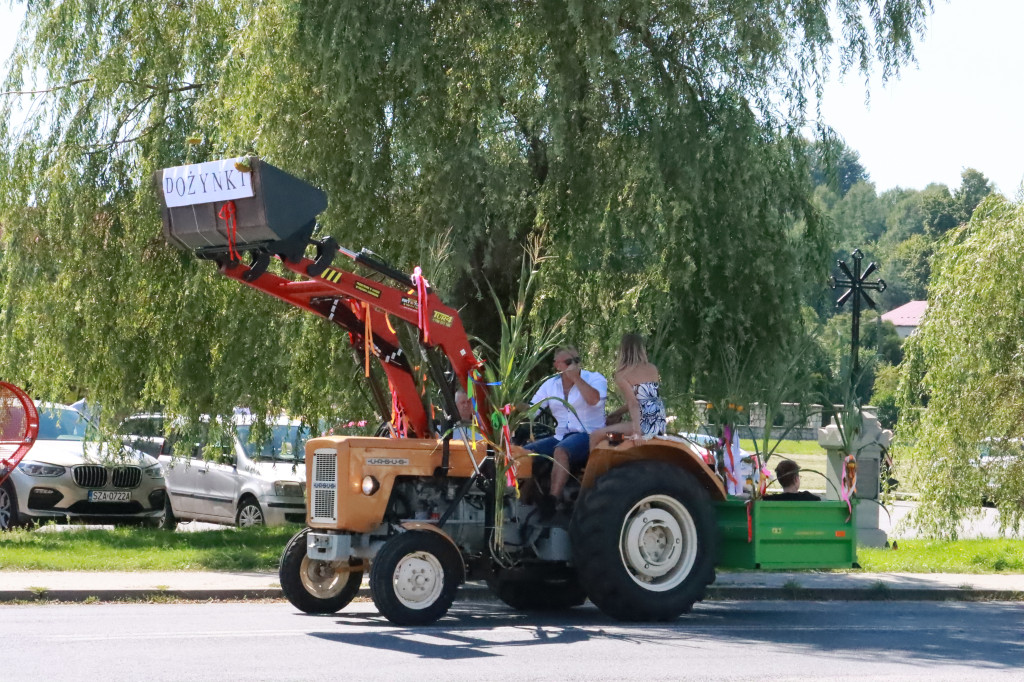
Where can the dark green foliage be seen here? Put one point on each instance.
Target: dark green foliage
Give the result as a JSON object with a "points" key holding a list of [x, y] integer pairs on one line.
{"points": [[836, 165], [654, 149]]}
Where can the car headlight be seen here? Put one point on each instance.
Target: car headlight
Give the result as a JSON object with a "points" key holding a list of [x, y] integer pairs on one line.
{"points": [[155, 471], [40, 469], [287, 489]]}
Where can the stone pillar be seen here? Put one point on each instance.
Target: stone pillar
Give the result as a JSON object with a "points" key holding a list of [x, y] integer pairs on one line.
{"points": [[867, 448]]}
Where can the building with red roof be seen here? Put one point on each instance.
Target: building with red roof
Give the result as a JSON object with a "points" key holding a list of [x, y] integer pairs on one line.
{"points": [[907, 317]]}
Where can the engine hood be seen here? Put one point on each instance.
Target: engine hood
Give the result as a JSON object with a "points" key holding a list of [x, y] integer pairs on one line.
{"points": [[72, 452]]}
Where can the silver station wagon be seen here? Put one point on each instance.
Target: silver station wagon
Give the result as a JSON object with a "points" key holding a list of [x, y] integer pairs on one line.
{"points": [[246, 483]]}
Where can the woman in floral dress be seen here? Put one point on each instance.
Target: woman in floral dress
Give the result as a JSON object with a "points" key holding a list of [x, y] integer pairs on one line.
{"points": [[637, 379]]}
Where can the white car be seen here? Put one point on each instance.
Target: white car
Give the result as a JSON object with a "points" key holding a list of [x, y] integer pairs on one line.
{"points": [[1000, 459], [249, 484], [63, 478]]}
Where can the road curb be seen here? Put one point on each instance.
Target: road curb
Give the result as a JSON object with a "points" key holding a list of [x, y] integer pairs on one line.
{"points": [[81, 595], [880, 592]]}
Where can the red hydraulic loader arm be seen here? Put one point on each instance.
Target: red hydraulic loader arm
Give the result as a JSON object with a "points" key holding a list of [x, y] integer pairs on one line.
{"points": [[223, 209], [19, 427]]}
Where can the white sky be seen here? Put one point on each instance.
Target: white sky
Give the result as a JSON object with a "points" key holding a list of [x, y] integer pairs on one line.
{"points": [[960, 106]]}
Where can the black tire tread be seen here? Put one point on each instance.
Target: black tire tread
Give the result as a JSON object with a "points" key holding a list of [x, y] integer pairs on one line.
{"points": [[15, 521], [539, 595], [296, 593], [594, 533], [383, 568], [241, 505], [168, 521]]}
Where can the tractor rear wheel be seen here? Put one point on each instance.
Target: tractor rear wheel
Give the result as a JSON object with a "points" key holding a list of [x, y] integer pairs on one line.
{"points": [[538, 589], [644, 542]]}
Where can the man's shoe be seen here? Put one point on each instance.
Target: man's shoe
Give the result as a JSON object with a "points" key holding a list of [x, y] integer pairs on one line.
{"points": [[547, 506]]}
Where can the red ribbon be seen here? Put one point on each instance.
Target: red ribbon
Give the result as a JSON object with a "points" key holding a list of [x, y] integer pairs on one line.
{"points": [[750, 522], [229, 214]]}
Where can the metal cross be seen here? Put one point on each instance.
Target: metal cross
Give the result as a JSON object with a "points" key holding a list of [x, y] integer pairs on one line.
{"points": [[855, 289]]}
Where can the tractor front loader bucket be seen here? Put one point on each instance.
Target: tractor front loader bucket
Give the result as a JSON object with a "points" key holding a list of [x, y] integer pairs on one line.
{"points": [[221, 209]]}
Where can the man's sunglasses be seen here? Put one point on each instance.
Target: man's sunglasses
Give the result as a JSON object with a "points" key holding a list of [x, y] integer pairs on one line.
{"points": [[572, 361]]}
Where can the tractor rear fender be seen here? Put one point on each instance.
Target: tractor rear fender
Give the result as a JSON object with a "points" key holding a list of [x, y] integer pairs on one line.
{"points": [[606, 457]]}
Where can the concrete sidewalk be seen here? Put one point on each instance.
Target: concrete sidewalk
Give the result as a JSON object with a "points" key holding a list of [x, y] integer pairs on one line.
{"points": [[805, 585]]}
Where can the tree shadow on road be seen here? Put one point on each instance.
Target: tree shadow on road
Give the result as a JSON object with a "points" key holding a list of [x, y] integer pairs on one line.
{"points": [[986, 636]]}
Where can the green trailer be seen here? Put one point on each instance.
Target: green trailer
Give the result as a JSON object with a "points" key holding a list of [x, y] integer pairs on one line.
{"points": [[762, 534]]}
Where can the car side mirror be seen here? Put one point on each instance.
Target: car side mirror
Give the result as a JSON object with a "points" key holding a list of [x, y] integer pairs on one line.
{"points": [[227, 456]]}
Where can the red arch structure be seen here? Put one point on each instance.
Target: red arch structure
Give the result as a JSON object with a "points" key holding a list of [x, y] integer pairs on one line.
{"points": [[19, 427]]}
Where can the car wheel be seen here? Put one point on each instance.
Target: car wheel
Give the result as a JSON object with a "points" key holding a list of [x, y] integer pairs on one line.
{"points": [[414, 576], [168, 521], [643, 540], [315, 586], [249, 513], [8, 507]]}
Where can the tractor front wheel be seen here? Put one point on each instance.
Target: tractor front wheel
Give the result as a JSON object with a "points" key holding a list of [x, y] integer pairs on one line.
{"points": [[315, 586], [414, 576]]}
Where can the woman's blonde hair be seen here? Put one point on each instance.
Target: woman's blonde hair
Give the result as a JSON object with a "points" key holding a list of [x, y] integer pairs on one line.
{"points": [[631, 352]]}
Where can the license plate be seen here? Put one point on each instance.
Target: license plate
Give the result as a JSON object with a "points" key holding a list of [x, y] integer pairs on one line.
{"points": [[110, 496]]}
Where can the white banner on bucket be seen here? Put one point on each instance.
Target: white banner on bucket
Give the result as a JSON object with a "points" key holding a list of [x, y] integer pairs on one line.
{"points": [[203, 183]]}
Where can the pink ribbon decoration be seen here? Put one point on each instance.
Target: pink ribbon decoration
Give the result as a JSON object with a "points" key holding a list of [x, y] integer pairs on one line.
{"points": [[423, 315], [730, 467], [397, 415], [848, 486], [506, 437]]}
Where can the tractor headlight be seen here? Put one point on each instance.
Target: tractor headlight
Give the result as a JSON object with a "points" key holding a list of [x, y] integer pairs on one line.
{"points": [[370, 485]]}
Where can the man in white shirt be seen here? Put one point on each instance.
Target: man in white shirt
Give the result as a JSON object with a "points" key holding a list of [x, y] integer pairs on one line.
{"points": [[586, 392]]}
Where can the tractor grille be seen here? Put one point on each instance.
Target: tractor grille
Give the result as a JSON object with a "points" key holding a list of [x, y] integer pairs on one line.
{"points": [[324, 502], [126, 477], [90, 476]]}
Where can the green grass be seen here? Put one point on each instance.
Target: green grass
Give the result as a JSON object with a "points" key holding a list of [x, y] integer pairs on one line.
{"points": [[255, 549], [936, 556], [140, 549], [788, 447]]}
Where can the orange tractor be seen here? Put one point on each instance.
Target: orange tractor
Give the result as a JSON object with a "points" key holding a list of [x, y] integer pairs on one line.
{"points": [[421, 512]]}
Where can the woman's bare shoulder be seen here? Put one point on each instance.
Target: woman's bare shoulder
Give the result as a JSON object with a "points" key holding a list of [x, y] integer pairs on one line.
{"points": [[638, 374]]}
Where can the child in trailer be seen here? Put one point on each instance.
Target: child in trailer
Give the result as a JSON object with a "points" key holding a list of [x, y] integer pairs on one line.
{"points": [[787, 473], [638, 381]]}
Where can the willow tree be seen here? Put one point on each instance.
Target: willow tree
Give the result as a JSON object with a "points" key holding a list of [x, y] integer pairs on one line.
{"points": [[962, 383], [654, 148]]}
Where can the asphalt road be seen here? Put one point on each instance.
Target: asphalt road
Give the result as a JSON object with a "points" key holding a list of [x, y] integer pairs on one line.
{"points": [[718, 641]]}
